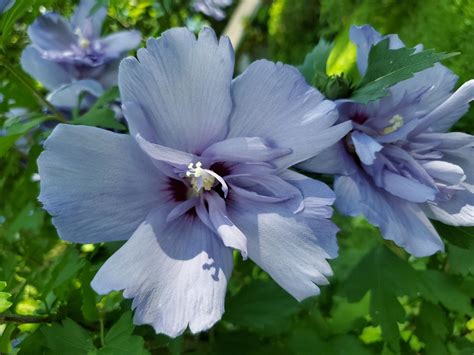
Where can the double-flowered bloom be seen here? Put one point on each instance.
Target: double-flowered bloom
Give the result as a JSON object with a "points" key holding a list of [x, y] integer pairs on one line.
{"points": [[213, 8], [399, 166], [70, 57], [204, 172]]}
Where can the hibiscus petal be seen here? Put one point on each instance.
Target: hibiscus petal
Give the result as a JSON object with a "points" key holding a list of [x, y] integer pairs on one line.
{"points": [[67, 95], [457, 211], [292, 249], [52, 32], [186, 94], [48, 73], [231, 236], [90, 24], [333, 160], [406, 188], [244, 150], [400, 221], [273, 101], [176, 273], [366, 147], [97, 185], [119, 43]]}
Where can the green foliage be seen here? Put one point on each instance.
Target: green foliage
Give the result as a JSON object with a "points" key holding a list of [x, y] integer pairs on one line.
{"points": [[386, 67], [379, 300]]}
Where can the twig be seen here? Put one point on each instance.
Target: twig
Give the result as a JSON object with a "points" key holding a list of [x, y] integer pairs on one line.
{"points": [[16, 318], [58, 116]]}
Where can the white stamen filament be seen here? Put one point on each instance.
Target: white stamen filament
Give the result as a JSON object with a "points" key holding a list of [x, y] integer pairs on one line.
{"points": [[397, 122], [204, 178]]}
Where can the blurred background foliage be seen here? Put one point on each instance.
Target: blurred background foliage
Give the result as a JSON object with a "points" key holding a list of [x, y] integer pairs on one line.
{"points": [[379, 299]]}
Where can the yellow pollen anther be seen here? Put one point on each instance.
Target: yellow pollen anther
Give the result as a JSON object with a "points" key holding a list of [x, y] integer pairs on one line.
{"points": [[397, 122], [83, 41], [200, 178]]}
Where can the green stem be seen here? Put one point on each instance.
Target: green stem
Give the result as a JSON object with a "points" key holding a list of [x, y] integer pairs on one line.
{"points": [[19, 76], [16, 318], [101, 321]]}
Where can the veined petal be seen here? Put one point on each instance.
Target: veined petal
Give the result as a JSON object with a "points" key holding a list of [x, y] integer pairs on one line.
{"points": [[407, 189], [97, 185], [332, 160], [231, 235], [292, 249], [244, 150], [400, 221], [164, 154], [448, 112], [457, 211], [176, 273], [273, 101], [183, 86]]}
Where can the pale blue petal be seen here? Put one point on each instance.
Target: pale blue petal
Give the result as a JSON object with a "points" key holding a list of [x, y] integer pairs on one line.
{"points": [[400, 221], [175, 272], [317, 196], [289, 247], [52, 32], [244, 150], [273, 101], [457, 211], [119, 43], [448, 112], [366, 147], [406, 188], [67, 96], [97, 185], [90, 25], [231, 235], [333, 160], [48, 73], [183, 86]]}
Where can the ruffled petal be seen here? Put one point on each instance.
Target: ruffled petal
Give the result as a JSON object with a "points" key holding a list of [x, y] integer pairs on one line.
{"points": [[175, 272], [273, 101], [400, 221], [97, 185], [291, 248], [183, 87], [366, 147], [333, 160]]}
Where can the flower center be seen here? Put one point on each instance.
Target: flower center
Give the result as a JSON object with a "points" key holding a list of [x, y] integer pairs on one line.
{"points": [[397, 122], [83, 41], [204, 179]]}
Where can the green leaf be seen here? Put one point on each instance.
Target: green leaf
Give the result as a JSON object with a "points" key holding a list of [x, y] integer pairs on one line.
{"points": [[316, 60], [261, 306], [107, 97], [89, 296], [431, 327], [386, 67], [7, 142], [4, 296], [386, 276], [103, 117], [68, 338], [119, 339]]}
